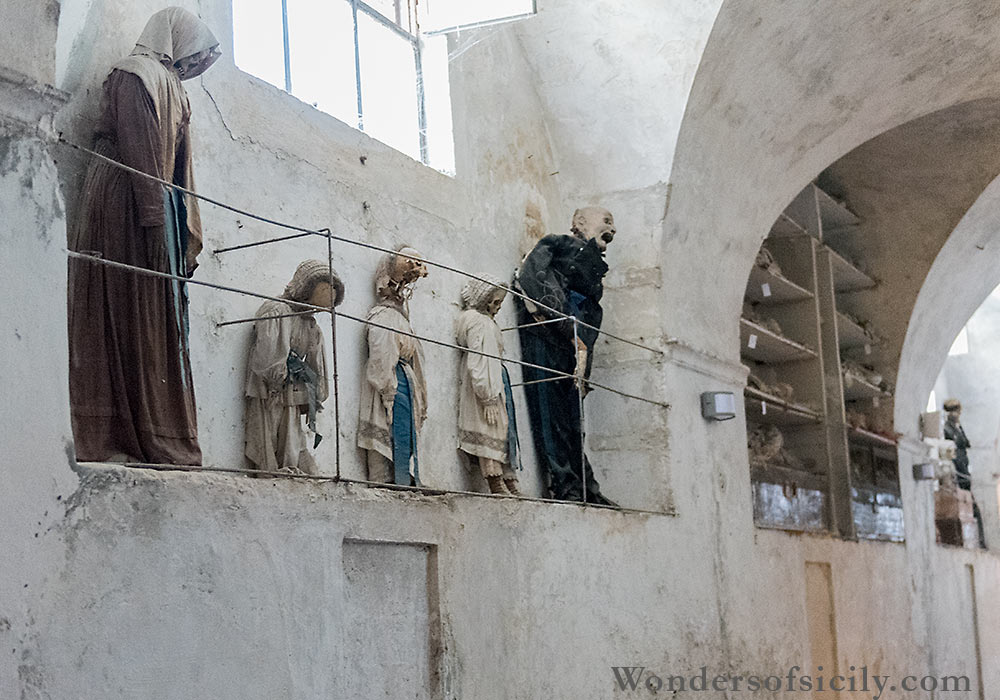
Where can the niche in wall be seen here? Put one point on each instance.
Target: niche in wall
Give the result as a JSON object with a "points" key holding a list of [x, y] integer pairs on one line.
{"points": [[822, 454]]}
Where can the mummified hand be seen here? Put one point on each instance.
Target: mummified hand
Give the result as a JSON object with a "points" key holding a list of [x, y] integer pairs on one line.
{"points": [[581, 367], [491, 412], [388, 401], [581, 360], [191, 265]]}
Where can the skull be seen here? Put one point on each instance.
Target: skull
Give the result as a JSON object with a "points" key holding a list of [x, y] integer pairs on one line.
{"points": [[594, 223], [406, 271]]}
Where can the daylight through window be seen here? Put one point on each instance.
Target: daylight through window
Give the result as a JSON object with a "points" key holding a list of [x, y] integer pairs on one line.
{"points": [[380, 65]]}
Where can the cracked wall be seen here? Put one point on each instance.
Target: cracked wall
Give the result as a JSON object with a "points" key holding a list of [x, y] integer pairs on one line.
{"points": [[143, 584]]}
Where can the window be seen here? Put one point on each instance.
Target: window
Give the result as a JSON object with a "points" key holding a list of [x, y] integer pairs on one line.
{"points": [[379, 65], [932, 402]]}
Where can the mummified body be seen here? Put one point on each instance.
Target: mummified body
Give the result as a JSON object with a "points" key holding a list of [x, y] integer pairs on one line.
{"points": [[131, 389], [393, 393], [565, 272], [487, 428], [286, 373]]}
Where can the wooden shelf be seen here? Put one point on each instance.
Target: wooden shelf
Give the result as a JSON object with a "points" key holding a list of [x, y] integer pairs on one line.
{"points": [[867, 437], [811, 240], [850, 334], [764, 408], [857, 389], [770, 347], [787, 227], [774, 474], [846, 277], [833, 214], [782, 290]]}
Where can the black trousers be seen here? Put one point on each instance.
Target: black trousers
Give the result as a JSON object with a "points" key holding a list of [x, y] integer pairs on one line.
{"points": [[554, 416]]}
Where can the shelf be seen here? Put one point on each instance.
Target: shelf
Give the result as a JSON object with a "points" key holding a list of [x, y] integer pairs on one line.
{"points": [[787, 227], [857, 389], [846, 277], [867, 437], [770, 347], [774, 474], [782, 290], [833, 214], [850, 334], [777, 411]]}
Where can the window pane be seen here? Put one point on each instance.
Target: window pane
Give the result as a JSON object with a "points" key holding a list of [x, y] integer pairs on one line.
{"points": [[321, 40], [258, 42], [444, 14], [437, 98], [388, 86]]}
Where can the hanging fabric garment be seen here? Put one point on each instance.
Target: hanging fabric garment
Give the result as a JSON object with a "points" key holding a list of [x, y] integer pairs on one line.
{"points": [[131, 388], [277, 398], [566, 273], [391, 356]]}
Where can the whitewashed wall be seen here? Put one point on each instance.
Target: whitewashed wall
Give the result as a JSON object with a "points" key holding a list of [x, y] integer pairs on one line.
{"points": [[177, 586]]}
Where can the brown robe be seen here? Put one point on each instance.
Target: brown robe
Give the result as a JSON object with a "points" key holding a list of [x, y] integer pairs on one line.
{"points": [[131, 389]]}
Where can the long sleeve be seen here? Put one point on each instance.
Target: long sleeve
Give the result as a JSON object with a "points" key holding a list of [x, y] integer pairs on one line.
{"points": [[184, 176], [137, 129], [961, 441], [269, 353], [485, 373], [319, 358], [540, 280], [383, 354]]}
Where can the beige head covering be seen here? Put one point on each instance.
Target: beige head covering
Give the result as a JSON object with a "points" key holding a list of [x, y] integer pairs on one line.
{"points": [[169, 36], [173, 34], [477, 294], [307, 275]]}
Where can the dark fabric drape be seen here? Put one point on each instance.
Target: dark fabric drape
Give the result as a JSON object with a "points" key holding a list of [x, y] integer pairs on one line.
{"points": [[565, 273], [131, 388]]}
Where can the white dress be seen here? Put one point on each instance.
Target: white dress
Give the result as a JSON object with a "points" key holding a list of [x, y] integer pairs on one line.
{"points": [[481, 381]]}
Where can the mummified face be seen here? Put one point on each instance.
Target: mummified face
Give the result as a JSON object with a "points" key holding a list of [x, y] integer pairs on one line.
{"points": [[192, 66], [407, 270], [494, 304], [595, 223]]}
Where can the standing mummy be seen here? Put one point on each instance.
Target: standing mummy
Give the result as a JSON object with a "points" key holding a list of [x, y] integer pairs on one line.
{"points": [[487, 429], [393, 393], [286, 372]]}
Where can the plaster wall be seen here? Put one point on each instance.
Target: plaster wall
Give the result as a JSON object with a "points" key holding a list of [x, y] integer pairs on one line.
{"points": [[37, 456], [943, 307], [616, 68], [779, 96], [263, 150], [195, 585], [29, 33]]}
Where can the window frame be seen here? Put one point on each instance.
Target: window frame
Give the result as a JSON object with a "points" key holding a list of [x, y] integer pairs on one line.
{"points": [[396, 27]]}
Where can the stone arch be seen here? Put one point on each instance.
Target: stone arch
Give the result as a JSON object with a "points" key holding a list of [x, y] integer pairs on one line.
{"points": [[778, 97]]}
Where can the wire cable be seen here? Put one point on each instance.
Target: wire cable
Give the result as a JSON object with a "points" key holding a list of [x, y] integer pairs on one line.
{"points": [[166, 275], [326, 233]]}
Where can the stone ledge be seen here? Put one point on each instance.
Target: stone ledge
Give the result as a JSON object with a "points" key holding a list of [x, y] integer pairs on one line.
{"points": [[97, 476], [679, 353], [28, 102]]}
